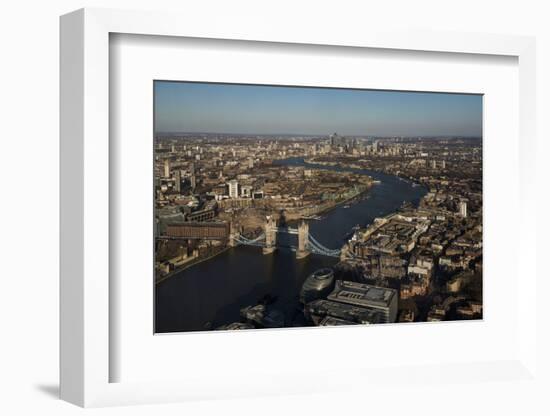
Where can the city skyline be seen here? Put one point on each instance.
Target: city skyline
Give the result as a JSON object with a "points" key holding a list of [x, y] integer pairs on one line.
{"points": [[264, 110]]}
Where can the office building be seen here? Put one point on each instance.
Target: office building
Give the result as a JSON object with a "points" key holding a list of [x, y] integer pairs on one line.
{"points": [[318, 285], [177, 181], [233, 188], [318, 310], [463, 209], [167, 168], [374, 297]]}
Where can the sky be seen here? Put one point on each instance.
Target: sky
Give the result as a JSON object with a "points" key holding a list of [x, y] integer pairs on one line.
{"points": [[255, 109]]}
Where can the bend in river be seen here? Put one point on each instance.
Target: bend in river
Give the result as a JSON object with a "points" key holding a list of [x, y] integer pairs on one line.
{"points": [[211, 293]]}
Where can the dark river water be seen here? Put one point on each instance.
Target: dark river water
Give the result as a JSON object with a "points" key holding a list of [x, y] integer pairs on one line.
{"points": [[212, 293]]}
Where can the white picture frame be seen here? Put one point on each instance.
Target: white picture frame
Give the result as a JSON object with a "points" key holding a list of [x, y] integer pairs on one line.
{"points": [[86, 356]]}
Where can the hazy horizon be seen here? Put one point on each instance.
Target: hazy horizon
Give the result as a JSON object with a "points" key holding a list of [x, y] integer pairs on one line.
{"points": [[210, 108]]}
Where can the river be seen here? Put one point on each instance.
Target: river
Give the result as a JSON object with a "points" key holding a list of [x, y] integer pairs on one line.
{"points": [[212, 293]]}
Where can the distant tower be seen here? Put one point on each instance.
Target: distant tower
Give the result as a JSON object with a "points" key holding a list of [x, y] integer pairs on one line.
{"points": [[303, 240], [177, 185], [443, 164], [270, 235], [166, 168], [192, 177], [233, 188], [434, 164], [463, 209]]}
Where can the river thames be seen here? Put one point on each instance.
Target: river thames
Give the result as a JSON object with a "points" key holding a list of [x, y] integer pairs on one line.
{"points": [[210, 294]]}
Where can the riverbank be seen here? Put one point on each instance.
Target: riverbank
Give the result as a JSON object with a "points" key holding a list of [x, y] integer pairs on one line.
{"points": [[328, 208], [413, 180], [191, 264], [352, 200], [215, 290]]}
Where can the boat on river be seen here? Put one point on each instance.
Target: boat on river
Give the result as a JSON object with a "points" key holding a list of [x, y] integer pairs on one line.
{"points": [[312, 217]]}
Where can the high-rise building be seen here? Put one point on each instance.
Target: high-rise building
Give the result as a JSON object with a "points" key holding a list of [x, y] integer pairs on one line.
{"points": [[336, 140], [177, 184], [463, 209], [166, 168], [443, 164], [233, 188]]}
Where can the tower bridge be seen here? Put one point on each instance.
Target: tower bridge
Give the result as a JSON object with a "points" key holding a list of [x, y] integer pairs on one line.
{"points": [[268, 240]]}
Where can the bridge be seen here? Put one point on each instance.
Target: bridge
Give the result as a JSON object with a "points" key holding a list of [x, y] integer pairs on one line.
{"points": [[268, 240]]}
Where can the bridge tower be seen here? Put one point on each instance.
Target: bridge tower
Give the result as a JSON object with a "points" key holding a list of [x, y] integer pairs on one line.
{"points": [[270, 235], [303, 240], [233, 234]]}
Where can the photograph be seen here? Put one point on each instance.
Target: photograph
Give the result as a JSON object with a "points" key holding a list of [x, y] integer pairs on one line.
{"points": [[296, 206], [224, 195]]}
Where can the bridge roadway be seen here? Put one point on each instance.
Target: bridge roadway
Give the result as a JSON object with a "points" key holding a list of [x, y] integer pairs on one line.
{"points": [[268, 240], [310, 245]]}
